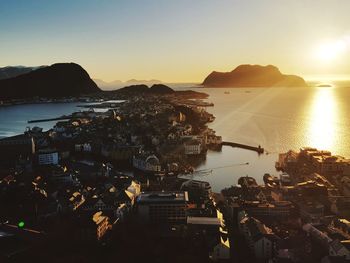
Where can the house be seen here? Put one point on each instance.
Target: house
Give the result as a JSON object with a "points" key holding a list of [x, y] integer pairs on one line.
{"points": [[261, 239]]}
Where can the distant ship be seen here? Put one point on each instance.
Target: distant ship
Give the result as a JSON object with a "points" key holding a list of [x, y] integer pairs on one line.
{"points": [[324, 86], [227, 92]]}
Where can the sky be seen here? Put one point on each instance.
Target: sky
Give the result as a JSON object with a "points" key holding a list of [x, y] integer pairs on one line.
{"points": [[177, 41]]}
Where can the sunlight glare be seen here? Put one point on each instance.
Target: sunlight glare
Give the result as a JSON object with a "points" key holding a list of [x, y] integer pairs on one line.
{"points": [[323, 120], [330, 51]]}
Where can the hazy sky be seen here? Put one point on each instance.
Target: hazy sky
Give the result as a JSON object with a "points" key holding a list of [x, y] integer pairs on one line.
{"points": [[175, 40]]}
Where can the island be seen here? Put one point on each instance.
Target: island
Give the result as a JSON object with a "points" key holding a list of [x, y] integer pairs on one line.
{"points": [[253, 76]]}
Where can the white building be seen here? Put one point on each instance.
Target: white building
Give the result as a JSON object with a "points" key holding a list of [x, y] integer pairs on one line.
{"points": [[193, 147], [47, 157]]}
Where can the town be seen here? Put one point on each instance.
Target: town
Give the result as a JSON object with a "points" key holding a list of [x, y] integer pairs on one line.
{"points": [[121, 185]]}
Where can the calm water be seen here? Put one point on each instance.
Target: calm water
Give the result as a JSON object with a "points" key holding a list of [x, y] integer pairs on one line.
{"points": [[13, 119], [278, 119]]}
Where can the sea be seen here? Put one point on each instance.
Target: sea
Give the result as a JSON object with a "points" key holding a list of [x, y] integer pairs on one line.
{"points": [[277, 118]]}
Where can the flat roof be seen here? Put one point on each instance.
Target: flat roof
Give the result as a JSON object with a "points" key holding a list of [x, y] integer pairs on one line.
{"points": [[163, 197], [203, 220]]}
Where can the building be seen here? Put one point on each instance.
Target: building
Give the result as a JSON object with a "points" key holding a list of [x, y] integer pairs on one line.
{"points": [[287, 161], [92, 228], [162, 207], [193, 147], [340, 249], [317, 235], [261, 240], [48, 157], [11, 148], [311, 212], [85, 147], [279, 209], [196, 185], [146, 163]]}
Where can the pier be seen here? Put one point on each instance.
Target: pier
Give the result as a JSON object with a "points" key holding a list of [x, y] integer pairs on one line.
{"points": [[258, 149], [51, 119]]}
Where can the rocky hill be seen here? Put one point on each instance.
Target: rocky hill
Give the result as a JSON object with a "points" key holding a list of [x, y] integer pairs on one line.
{"points": [[253, 76], [57, 80]]}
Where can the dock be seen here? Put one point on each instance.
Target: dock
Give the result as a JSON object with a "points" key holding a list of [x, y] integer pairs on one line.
{"points": [[258, 149], [51, 119]]}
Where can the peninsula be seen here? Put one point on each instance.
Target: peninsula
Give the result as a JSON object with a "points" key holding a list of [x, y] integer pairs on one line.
{"points": [[253, 76]]}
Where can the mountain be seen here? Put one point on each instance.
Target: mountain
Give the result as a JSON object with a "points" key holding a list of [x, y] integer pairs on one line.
{"points": [[253, 76], [57, 80], [14, 71], [147, 82], [117, 84], [108, 85], [160, 89], [156, 89]]}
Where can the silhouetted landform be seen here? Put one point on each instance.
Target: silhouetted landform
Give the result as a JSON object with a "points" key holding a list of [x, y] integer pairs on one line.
{"points": [[144, 89], [115, 84], [158, 89], [14, 71], [147, 82], [253, 76], [57, 80]]}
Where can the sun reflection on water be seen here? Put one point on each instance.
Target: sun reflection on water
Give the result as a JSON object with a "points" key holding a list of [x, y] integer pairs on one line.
{"points": [[323, 119]]}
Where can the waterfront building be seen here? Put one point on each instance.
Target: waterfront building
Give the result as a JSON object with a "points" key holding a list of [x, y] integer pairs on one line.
{"points": [[287, 161], [162, 207], [193, 147], [213, 140]]}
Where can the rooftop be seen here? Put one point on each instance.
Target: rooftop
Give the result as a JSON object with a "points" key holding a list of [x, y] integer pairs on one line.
{"points": [[163, 197]]}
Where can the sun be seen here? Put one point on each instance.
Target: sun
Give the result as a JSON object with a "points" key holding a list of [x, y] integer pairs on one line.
{"points": [[329, 51]]}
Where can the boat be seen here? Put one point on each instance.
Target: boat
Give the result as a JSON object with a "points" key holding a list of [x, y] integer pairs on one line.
{"points": [[226, 92], [324, 86]]}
